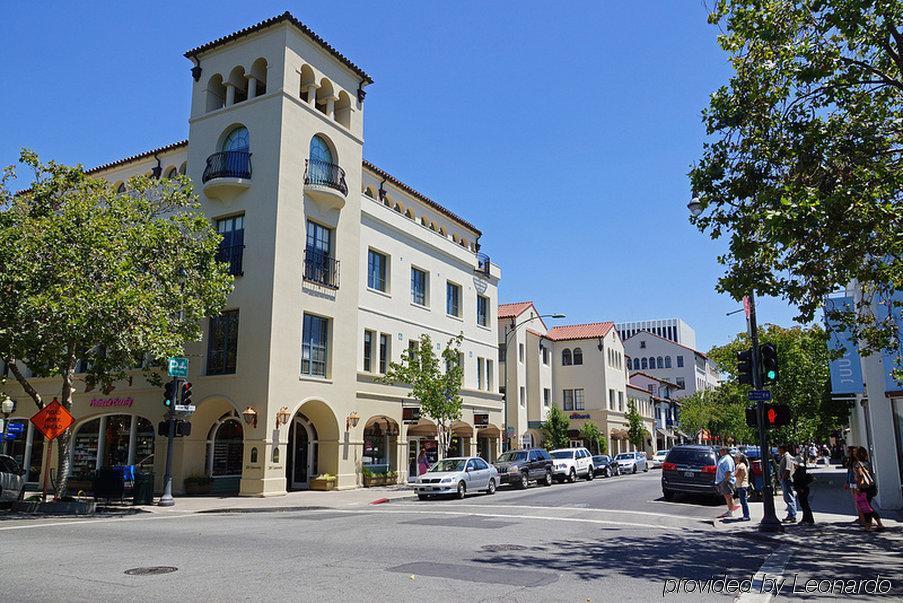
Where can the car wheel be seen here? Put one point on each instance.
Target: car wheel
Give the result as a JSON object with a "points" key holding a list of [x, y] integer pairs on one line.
{"points": [[462, 490], [572, 476], [422, 496], [524, 481], [634, 469], [590, 473], [606, 472], [548, 479], [491, 489], [668, 495], [645, 468]]}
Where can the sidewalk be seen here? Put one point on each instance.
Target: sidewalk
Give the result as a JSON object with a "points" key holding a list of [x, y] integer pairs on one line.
{"points": [[832, 509], [293, 501]]}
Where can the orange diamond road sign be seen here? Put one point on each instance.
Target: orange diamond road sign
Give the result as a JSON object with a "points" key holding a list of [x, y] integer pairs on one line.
{"points": [[52, 420]]}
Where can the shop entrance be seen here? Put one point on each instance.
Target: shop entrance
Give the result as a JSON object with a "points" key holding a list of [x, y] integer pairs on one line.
{"points": [[303, 449]]}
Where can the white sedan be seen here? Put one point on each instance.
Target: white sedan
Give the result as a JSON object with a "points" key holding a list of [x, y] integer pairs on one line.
{"points": [[657, 459], [457, 476]]}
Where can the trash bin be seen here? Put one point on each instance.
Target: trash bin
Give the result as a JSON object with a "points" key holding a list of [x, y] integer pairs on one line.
{"points": [[144, 488]]}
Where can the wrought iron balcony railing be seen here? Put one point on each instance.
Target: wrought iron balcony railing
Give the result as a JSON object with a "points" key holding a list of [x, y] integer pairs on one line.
{"points": [[322, 173], [228, 164], [320, 268]]}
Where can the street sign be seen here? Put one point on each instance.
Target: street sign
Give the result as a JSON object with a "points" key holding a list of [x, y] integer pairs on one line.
{"points": [[52, 420], [178, 367], [186, 408], [15, 427], [759, 394]]}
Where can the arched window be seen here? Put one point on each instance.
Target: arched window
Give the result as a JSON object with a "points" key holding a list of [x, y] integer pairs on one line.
{"points": [[172, 172], [565, 357], [121, 187], [578, 356], [237, 140], [652, 362], [667, 361], [225, 447], [319, 150], [645, 364], [659, 362], [636, 364]]}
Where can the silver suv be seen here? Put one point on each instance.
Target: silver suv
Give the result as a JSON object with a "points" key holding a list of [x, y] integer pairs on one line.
{"points": [[571, 463]]}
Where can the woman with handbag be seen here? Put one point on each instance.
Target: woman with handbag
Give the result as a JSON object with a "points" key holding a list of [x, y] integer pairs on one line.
{"points": [[866, 490]]}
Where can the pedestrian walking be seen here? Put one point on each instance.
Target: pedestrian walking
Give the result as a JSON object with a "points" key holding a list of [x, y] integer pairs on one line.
{"points": [[741, 481], [801, 481], [785, 471], [851, 482], [724, 480], [866, 490]]}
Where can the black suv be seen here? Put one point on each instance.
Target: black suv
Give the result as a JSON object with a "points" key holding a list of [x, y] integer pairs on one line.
{"points": [[689, 469], [520, 467]]}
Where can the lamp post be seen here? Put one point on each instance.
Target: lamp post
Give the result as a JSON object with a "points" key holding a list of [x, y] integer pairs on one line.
{"points": [[770, 522], [507, 339], [7, 407]]}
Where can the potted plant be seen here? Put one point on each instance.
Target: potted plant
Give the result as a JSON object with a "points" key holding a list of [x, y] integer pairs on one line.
{"points": [[198, 485], [372, 478], [323, 482]]}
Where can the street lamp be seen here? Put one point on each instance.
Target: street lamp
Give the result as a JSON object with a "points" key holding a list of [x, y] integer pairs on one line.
{"points": [[507, 339], [770, 522], [7, 407]]}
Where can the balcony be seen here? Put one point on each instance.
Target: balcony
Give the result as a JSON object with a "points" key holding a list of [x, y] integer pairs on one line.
{"points": [[320, 268], [483, 264], [325, 182], [227, 174], [231, 255]]}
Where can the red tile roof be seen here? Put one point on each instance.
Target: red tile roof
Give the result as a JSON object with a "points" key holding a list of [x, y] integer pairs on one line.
{"points": [[144, 155], [513, 309], [286, 16], [587, 331]]}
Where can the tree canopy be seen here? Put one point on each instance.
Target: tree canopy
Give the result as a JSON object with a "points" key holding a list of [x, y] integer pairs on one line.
{"points": [[592, 435], [116, 280], [636, 433], [803, 167], [555, 429]]}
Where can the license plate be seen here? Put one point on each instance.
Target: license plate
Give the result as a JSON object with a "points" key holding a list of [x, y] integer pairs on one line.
{"points": [[688, 474]]}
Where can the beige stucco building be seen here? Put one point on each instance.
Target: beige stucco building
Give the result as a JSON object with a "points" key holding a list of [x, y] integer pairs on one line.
{"points": [[339, 267], [581, 369]]}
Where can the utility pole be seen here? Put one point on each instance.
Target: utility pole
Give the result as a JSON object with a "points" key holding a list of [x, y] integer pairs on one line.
{"points": [[770, 521], [170, 400]]}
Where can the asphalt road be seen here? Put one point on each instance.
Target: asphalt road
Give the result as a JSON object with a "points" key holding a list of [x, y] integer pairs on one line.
{"points": [[586, 541]]}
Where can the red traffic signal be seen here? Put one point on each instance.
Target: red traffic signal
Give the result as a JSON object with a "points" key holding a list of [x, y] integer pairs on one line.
{"points": [[776, 415], [186, 393]]}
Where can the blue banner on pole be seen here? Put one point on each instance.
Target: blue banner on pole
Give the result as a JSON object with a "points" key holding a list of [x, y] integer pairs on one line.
{"points": [[846, 371], [893, 359]]}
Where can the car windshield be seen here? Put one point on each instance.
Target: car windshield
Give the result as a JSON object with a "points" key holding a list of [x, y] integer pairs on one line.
{"points": [[518, 455], [661, 454], [448, 465], [600, 459], [625, 456], [563, 454]]}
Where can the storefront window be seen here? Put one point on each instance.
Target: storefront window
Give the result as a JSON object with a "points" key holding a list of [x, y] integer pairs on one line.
{"points": [[116, 441], [225, 448], [144, 445], [27, 447], [127, 440], [84, 450]]}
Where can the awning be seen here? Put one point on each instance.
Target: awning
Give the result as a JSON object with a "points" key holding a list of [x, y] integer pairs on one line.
{"points": [[662, 432], [681, 434]]}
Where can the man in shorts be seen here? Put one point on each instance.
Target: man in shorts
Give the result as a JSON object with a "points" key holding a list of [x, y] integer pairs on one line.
{"points": [[724, 480]]}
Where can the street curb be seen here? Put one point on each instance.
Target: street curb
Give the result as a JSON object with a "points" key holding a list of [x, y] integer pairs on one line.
{"points": [[265, 509]]}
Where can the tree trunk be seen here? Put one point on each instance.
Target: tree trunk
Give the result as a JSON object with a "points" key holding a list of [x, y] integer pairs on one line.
{"points": [[64, 459], [444, 441]]}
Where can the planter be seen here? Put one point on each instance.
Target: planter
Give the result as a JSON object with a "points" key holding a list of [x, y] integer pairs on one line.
{"points": [[195, 488], [379, 480], [323, 485]]}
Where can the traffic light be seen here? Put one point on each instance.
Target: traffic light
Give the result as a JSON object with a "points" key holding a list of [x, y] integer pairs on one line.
{"points": [[768, 355], [777, 415], [744, 367], [186, 393], [170, 391], [751, 419]]}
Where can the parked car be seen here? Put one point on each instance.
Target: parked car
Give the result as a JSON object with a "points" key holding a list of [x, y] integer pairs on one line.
{"points": [[689, 469], [571, 463], [605, 466], [520, 467], [457, 476], [12, 479], [631, 462], [657, 459]]}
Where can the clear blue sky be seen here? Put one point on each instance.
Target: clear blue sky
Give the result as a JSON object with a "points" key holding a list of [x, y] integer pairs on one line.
{"points": [[564, 132]]}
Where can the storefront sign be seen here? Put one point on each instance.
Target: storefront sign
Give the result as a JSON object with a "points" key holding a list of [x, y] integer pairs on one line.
{"points": [[579, 415], [111, 402], [481, 419], [410, 416], [52, 420]]}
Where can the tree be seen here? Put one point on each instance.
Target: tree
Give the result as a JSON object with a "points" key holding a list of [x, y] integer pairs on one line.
{"points": [[720, 411], [803, 381], [803, 170], [635, 430], [555, 429], [110, 278], [437, 390], [591, 434]]}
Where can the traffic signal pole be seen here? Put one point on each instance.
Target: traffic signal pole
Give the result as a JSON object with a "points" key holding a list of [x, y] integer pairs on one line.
{"points": [[770, 521], [167, 500]]}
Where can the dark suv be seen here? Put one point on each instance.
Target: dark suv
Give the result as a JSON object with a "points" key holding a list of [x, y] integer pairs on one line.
{"points": [[689, 469], [520, 467]]}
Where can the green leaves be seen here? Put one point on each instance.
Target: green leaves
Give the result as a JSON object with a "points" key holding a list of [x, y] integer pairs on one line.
{"points": [[555, 429], [635, 430], [803, 169]]}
